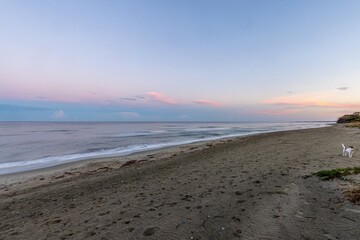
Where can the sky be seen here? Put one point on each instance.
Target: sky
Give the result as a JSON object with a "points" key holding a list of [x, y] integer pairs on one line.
{"points": [[181, 60]]}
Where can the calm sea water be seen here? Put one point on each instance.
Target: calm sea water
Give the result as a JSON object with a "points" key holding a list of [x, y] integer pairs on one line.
{"points": [[32, 145]]}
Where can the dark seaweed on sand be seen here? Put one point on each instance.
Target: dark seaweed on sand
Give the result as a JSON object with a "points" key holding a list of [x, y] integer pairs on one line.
{"points": [[336, 173]]}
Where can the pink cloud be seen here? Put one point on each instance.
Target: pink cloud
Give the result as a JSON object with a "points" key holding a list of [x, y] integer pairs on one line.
{"points": [[160, 97], [327, 99], [208, 103], [318, 104]]}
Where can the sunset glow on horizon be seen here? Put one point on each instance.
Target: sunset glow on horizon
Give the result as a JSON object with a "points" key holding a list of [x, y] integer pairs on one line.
{"points": [[179, 60]]}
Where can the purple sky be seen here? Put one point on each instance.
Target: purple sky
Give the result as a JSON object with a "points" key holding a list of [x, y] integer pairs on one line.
{"points": [[179, 60]]}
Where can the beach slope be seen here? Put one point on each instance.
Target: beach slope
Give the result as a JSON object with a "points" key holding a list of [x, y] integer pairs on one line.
{"points": [[256, 187]]}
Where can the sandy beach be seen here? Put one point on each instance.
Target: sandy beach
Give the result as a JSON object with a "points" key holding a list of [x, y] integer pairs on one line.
{"points": [[255, 187]]}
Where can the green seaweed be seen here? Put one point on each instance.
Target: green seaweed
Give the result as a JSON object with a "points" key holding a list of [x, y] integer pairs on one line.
{"points": [[336, 173]]}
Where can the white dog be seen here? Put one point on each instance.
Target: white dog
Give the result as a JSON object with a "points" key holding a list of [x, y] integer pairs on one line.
{"points": [[348, 150]]}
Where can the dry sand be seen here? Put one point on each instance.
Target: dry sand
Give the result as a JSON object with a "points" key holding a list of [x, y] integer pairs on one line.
{"points": [[255, 187]]}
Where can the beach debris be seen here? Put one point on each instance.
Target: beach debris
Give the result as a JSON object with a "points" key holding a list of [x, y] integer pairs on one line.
{"points": [[306, 176], [128, 163], [299, 214], [221, 230], [131, 162], [353, 195], [352, 210]]}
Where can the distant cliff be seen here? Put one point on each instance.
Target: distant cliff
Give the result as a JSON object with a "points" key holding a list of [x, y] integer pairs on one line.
{"points": [[349, 118]]}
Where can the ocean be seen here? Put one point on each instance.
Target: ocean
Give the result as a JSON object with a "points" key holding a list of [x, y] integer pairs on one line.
{"points": [[27, 146]]}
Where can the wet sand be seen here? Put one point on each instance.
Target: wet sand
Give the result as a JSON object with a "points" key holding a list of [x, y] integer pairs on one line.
{"points": [[256, 187]]}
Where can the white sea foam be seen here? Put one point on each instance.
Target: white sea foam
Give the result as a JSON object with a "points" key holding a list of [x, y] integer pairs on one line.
{"points": [[204, 129], [138, 134], [20, 166]]}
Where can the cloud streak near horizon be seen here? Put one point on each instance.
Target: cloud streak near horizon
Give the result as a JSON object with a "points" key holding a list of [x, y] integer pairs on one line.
{"points": [[208, 103], [160, 97], [327, 102]]}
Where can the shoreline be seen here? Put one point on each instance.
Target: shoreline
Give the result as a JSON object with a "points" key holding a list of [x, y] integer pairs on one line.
{"points": [[43, 176], [124, 158], [249, 187], [49, 161]]}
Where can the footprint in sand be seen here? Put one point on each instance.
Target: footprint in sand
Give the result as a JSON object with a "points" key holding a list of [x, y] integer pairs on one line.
{"points": [[150, 231], [237, 233], [104, 213]]}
